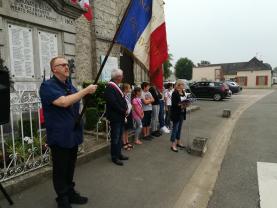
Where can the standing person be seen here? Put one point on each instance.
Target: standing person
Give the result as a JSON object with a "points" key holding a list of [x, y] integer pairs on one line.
{"points": [[178, 114], [147, 101], [155, 110], [60, 103], [168, 98], [117, 110], [129, 125], [163, 128], [137, 112]]}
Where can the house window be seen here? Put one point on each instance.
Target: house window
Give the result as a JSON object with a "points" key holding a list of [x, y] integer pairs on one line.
{"points": [[240, 80], [261, 80], [217, 74]]}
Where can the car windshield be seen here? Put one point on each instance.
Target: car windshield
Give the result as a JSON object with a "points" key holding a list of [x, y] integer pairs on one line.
{"points": [[186, 86]]}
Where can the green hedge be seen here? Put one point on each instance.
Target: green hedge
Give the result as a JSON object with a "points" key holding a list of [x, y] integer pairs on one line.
{"points": [[27, 127], [97, 99], [92, 117]]}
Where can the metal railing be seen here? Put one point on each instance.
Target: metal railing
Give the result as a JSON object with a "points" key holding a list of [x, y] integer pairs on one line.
{"points": [[23, 153]]}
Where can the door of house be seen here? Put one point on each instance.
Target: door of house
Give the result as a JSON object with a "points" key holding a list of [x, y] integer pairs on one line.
{"points": [[127, 66]]}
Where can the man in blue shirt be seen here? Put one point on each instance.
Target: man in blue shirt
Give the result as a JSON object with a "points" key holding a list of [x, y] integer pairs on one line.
{"points": [[60, 103], [117, 110]]}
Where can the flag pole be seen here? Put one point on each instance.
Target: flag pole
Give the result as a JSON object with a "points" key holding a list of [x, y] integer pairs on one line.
{"points": [[107, 55]]}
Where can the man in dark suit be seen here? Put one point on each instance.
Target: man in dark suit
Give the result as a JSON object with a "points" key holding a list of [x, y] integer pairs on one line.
{"points": [[117, 110]]}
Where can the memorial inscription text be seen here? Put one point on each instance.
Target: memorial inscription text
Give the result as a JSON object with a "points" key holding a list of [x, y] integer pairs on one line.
{"points": [[34, 8]]}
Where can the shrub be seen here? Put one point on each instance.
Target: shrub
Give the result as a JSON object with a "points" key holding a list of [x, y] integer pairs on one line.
{"points": [[97, 99], [18, 146], [27, 127], [101, 126], [91, 118]]}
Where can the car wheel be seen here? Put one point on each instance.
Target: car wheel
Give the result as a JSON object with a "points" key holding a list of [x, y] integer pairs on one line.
{"points": [[217, 96]]}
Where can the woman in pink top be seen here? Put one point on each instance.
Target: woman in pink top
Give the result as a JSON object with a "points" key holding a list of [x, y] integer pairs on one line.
{"points": [[137, 112]]}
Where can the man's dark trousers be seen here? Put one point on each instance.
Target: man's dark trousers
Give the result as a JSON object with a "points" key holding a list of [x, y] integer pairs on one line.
{"points": [[64, 160], [117, 129]]}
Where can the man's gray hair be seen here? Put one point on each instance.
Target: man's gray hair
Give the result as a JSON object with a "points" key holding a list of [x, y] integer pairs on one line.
{"points": [[115, 73]]}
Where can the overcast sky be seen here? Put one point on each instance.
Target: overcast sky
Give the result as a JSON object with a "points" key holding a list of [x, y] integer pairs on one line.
{"points": [[222, 31]]}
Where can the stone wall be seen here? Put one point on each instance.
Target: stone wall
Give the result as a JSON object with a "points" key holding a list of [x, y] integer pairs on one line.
{"points": [[106, 18], [140, 75], [84, 51]]}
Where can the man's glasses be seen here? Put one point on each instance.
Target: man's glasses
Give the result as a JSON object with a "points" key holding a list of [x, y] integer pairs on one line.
{"points": [[63, 65]]}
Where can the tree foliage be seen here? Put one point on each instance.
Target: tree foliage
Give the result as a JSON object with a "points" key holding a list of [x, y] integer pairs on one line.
{"points": [[166, 66], [275, 69], [183, 68], [203, 63]]}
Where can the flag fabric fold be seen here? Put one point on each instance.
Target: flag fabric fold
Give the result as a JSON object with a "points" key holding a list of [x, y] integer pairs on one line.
{"points": [[84, 4], [143, 33]]}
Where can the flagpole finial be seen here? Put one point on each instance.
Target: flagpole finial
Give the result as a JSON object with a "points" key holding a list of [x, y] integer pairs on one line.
{"points": [[44, 72]]}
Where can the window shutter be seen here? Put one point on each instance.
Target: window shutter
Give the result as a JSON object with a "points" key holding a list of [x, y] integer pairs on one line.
{"points": [[257, 80], [245, 81], [265, 80]]}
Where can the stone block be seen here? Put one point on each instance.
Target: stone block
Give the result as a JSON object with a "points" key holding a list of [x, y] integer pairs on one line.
{"points": [[199, 146], [1, 38], [69, 38], [1, 23], [69, 49], [226, 113], [112, 4]]}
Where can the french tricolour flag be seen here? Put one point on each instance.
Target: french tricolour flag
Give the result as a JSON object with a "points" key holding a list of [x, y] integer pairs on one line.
{"points": [[84, 3], [144, 34]]}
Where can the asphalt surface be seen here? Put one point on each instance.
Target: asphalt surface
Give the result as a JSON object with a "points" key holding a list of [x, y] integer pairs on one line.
{"points": [[253, 140], [154, 176]]}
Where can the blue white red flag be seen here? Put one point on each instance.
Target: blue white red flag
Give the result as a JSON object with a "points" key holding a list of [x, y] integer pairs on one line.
{"points": [[84, 4], [144, 34]]}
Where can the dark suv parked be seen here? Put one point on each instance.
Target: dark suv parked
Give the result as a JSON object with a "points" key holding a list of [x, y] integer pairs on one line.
{"points": [[210, 89]]}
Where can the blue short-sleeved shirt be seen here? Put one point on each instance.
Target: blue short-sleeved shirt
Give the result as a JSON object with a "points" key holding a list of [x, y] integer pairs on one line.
{"points": [[60, 121]]}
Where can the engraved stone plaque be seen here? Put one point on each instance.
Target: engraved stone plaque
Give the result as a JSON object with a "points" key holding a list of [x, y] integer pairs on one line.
{"points": [[34, 8], [21, 51], [26, 86], [48, 50]]}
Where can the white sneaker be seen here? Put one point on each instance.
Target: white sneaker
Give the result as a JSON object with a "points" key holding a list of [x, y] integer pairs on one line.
{"points": [[165, 130]]}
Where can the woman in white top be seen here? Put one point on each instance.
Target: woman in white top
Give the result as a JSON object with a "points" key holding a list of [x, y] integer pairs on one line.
{"points": [[167, 98]]}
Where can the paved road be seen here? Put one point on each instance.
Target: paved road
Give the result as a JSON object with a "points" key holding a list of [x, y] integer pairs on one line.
{"points": [[253, 140], [153, 177]]}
